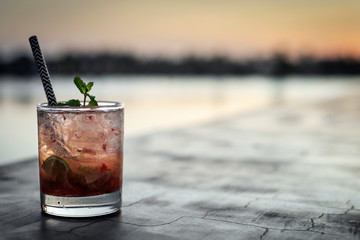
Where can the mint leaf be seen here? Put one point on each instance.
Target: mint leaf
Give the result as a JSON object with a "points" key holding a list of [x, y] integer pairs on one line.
{"points": [[91, 97], [84, 89], [80, 85], [92, 102], [89, 86], [73, 102]]}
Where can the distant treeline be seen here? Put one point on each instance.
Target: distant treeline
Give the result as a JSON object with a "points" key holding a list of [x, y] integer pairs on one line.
{"points": [[278, 65]]}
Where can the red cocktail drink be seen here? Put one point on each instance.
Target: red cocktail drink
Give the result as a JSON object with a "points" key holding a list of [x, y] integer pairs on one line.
{"points": [[81, 157]]}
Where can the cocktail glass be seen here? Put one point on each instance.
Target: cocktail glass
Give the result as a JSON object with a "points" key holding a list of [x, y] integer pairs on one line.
{"points": [[81, 159]]}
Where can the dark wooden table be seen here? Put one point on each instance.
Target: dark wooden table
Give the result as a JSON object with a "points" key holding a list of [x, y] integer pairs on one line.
{"points": [[289, 172]]}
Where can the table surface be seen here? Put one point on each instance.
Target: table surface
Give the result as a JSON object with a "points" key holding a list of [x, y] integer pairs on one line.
{"points": [[287, 172]]}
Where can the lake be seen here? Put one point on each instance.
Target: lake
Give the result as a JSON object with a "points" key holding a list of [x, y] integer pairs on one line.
{"points": [[158, 103]]}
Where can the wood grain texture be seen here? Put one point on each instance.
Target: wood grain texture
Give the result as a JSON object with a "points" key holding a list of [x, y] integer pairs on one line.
{"points": [[289, 172]]}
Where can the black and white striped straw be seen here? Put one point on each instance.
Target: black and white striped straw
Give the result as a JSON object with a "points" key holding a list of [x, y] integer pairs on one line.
{"points": [[43, 71]]}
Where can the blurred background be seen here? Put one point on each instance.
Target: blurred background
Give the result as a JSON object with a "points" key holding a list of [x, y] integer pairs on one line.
{"points": [[174, 63]]}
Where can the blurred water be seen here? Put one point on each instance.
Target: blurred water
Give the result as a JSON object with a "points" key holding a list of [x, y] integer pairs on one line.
{"points": [[154, 103]]}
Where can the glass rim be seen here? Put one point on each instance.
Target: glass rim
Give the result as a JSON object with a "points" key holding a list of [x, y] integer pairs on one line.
{"points": [[103, 106]]}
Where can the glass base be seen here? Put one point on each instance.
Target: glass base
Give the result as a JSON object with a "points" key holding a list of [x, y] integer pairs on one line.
{"points": [[91, 206]]}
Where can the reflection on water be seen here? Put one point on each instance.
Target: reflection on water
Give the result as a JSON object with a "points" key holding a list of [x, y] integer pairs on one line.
{"points": [[156, 103]]}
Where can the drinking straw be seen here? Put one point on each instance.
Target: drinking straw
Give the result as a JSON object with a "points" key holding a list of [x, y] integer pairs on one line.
{"points": [[43, 71]]}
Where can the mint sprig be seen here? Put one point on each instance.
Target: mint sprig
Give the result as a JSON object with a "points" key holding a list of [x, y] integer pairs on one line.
{"points": [[84, 89]]}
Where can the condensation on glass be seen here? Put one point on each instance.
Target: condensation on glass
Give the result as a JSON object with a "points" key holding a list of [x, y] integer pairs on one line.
{"points": [[81, 159]]}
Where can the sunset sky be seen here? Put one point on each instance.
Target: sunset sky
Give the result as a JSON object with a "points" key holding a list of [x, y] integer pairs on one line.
{"points": [[172, 28]]}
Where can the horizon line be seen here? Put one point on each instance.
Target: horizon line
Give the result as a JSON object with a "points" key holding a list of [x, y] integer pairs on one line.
{"points": [[6, 57]]}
